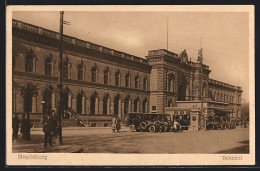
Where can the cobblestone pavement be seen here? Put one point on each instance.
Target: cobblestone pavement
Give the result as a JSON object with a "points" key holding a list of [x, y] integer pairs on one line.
{"points": [[102, 140]]}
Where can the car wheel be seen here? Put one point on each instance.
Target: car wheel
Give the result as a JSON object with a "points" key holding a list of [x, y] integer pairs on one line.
{"points": [[131, 128], [152, 128], [219, 126], [143, 125]]}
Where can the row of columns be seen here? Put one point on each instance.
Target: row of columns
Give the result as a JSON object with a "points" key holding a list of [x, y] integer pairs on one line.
{"points": [[18, 102]]}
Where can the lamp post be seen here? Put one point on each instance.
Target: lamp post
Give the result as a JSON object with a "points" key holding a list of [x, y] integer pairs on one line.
{"points": [[59, 85]]}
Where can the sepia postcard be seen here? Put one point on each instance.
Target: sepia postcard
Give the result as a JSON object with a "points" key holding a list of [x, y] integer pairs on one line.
{"points": [[130, 85]]}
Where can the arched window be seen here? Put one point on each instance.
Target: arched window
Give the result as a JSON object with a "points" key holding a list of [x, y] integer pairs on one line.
{"points": [[145, 106], [127, 80], [137, 82], [116, 104], [79, 103], [127, 105], [28, 93], [47, 97], [106, 104], [117, 78], [80, 71], [136, 105], [145, 83], [106, 72], [48, 66], [29, 60], [94, 104], [65, 69], [94, 74], [170, 103], [170, 87]]}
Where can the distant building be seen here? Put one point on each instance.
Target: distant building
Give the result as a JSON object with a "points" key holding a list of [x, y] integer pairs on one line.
{"points": [[100, 82]]}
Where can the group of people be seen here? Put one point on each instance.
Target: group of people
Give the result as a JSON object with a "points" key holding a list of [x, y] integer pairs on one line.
{"points": [[49, 123], [116, 126], [25, 126]]}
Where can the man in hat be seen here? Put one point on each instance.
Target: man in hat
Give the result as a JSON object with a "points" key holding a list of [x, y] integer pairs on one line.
{"points": [[49, 126], [23, 126], [15, 125]]}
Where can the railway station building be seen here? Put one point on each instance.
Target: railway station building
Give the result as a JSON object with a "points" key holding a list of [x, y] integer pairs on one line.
{"points": [[99, 82]]}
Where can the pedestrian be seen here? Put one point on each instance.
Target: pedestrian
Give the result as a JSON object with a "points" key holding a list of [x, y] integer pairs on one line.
{"points": [[54, 116], [113, 124], [118, 125], [28, 127], [15, 126], [23, 126], [48, 129]]}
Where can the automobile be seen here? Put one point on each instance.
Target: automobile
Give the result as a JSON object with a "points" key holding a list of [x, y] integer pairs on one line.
{"points": [[147, 122], [183, 120], [214, 123]]}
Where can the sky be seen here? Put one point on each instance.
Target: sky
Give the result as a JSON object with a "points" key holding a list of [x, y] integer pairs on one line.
{"points": [[224, 36]]}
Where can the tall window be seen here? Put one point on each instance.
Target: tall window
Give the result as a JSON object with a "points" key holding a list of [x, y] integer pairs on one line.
{"points": [[80, 71], [170, 83], [127, 80], [65, 70], [117, 79], [106, 76], [94, 75], [29, 64], [29, 60], [137, 82], [48, 66], [145, 84]]}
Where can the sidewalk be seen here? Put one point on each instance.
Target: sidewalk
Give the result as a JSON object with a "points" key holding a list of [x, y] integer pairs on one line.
{"points": [[35, 145], [71, 142]]}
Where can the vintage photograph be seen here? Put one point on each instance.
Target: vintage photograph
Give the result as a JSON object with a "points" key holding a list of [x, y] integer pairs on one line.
{"points": [[97, 82]]}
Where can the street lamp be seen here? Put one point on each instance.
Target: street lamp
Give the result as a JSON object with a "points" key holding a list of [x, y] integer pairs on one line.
{"points": [[59, 85]]}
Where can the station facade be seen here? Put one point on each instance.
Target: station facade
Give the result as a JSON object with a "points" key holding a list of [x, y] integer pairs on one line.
{"points": [[101, 82]]}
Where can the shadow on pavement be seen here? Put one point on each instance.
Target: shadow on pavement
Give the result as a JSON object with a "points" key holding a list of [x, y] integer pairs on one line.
{"points": [[241, 149]]}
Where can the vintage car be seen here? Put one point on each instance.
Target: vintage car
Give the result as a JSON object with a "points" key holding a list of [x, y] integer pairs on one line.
{"points": [[183, 120], [214, 122], [147, 122]]}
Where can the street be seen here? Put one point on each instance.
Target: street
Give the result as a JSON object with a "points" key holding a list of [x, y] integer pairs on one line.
{"points": [[102, 140]]}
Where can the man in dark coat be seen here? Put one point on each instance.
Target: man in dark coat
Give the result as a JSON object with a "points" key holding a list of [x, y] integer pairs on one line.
{"points": [[28, 127], [23, 126], [49, 126], [15, 125]]}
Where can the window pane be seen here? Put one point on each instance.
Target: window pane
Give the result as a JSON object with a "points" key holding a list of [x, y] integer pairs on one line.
{"points": [[94, 76], [106, 78], [117, 80], [80, 72]]}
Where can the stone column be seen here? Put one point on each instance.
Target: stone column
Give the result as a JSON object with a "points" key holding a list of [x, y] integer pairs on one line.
{"points": [[101, 107], [34, 104], [69, 101], [83, 105], [122, 109], [119, 109], [108, 106], [112, 108], [74, 104], [87, 106], [138, 107], [96, 106], [53, 101]]}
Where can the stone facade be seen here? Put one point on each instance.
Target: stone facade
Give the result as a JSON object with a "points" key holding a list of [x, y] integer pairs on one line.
{"points": [[101, 81]]}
